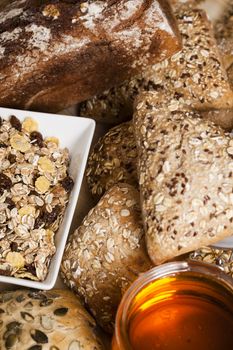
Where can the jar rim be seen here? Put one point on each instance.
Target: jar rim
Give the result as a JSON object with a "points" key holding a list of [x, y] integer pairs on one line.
{"points": [[168, 269]]}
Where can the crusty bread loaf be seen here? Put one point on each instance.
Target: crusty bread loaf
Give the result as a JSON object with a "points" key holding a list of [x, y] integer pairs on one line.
{"points": [[33, 320], [113, 160], [194, 77], [106, 253], [56, 53], [186, 179]]}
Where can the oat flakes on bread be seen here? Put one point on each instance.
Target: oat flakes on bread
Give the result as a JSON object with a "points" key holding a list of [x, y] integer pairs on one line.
{"points": [[186, 179], [34, 320], [113, 160], [107, 253], [54, 54], [194, 77]]}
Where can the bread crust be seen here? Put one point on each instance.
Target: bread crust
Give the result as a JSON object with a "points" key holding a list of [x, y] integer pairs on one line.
{"points": [[113, 160], [107, 253], [54, 318], [56, 53], [195, 77], [185, 176]]}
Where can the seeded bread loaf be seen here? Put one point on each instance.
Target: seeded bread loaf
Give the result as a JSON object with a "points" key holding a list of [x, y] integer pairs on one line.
{"points": [[106, 253], [113, 160], [54, 320], [186, 179], [194, 77], [57, 53]]}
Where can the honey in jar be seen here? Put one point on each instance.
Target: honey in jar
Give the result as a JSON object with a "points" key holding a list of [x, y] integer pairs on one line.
{"points": [[178, 306]]}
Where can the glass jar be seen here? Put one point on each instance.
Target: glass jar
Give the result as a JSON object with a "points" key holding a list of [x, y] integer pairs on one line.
{"points": [[178, 305]]}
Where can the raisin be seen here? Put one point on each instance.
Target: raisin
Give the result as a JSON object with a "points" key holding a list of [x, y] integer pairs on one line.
{"points": [[31, 268], [37, 138], [5, 272], [10, 203], [12, 158], [67, 183], [47, 219], [15, 123], [5, 182], [14, 246]]}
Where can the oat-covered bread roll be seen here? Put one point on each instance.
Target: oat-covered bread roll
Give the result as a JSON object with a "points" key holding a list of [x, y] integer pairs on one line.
{"points": [[54, 320], [56, 53], [186, 179], [224, 34], [106, 253], [113, 160], [194, 77]]}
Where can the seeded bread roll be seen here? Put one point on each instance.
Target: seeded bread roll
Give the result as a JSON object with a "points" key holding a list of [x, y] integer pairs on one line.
{"points": [[106, 253], [54, 320], [194, 77], [56, 53], [224, 34], [113, 160], [186, 179]]}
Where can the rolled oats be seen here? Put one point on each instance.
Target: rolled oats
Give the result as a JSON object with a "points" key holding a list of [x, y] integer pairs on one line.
{"points": [[34, 192]]}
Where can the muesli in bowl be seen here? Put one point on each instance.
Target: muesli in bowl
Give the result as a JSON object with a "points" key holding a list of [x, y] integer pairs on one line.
{"points": [[34, 191]]}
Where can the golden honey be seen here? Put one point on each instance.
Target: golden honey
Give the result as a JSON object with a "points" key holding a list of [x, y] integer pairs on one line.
{"points": [[178, 306]]}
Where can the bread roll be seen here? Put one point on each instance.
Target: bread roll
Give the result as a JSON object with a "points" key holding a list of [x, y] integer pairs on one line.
{"points": [[186, 178], [106, 253], [54, 320], [113, 160], [56, 53], [224, 34], [194, 77]]}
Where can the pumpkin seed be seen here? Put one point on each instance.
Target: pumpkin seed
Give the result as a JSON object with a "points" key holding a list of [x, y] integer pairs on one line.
{"points": [[35, 347], [39, 336], [12, 326], [36, 295], [62, 311], [20, 298], [46, 302], [11, 341], [46, 322], [28, 306], [26, 316], [75, 345], [6, 297]]}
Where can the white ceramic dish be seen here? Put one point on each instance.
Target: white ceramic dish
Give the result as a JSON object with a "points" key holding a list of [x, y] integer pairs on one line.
{"points": [[76, 134]]}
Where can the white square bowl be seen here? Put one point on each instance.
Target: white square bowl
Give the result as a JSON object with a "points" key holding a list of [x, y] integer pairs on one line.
{"points": [[76, 134]]}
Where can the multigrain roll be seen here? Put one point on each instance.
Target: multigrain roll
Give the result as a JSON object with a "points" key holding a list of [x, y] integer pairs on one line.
{"points": [[113, 160], [54, 320], [186, 179], [54, 54], [194, 77], [223, 29], [106, 253]]}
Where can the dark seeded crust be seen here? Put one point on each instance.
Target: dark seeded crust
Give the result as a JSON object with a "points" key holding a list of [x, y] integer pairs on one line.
{"points": [[194, 77], [186, 178], [113, 160], [107, 253], [57, 53], [55, 319]]}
